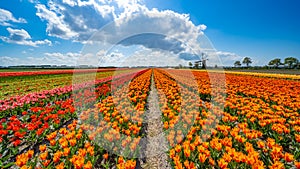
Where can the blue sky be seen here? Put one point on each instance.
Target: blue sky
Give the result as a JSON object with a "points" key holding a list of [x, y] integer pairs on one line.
{"points": [[57, 32]]}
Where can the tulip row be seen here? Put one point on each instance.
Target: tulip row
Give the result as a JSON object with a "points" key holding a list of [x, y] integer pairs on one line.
{"points": [[184, 114], [52, 72], [121, 119], [268, 75], [22, 85], [66, 148], [67, 143], [22, 130], [14, 91], [251, 131], [17, 104], [247, 121]]}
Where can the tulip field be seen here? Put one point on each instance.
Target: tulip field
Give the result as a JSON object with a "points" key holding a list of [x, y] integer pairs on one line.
{"points": [[97, 118]]}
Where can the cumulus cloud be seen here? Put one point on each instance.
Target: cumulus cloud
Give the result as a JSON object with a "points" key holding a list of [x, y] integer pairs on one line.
{"points": [[166, 33], [6, 17], [149, 57], [56, 58], [69, 55], [90, 22], [213, 57], [228, 58], [142, 56], [70, 2], [222, 58], [78, 20], [22, 37], [75, 20], [173, 26], [153, 41], [109, 59], [55, 26], [8, 61]]}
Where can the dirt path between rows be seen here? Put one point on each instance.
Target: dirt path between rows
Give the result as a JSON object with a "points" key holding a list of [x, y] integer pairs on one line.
{"points": [[156, 147]]}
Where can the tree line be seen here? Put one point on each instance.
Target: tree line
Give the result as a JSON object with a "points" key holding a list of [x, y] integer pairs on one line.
{"points": [[289, 62]]}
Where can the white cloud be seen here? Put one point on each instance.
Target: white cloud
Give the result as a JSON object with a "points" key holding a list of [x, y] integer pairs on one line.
{"points": [[78, 20], [8, 61], [68, 55], [34, 1], [110, 59], [6, 17], [70, 2], [168, 23], [157, 30], [47, 59], [55, 24], [63, 58], [140, 57], [18, 34], [222, 58], [75, 20], [22, 37], [149, 57]]}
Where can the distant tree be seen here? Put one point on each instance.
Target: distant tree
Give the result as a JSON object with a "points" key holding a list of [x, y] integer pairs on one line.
{"points": [[196, 65], [275, 62], [190, 64], [247, 61], [180, 66], [291, 62], [237, 64]]}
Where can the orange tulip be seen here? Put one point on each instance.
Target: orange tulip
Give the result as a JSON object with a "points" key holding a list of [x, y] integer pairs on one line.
{"points": [[205, 145], [21, 160], [277, 165], [297, 137], [79, 163], [120, 160], [46, 163], [172, 153], [56, 157], [66, 151], [166, 125], [88, 165], [64, 144], [43, 156], [178, 148], [60, 166], [202, 158], [297, 164], [30, 153], [42, 148], [222, 163], [187, 152], [90, 150], [52, 142], [72, 142], [261, 144], [105, 156], [288, 157]]}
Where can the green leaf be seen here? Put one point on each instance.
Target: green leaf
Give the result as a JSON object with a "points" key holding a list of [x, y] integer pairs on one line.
{"points": [[9, 165]]}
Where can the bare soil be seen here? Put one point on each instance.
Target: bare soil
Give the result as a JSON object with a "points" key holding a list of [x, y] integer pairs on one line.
{"points": [[156, 146]]}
